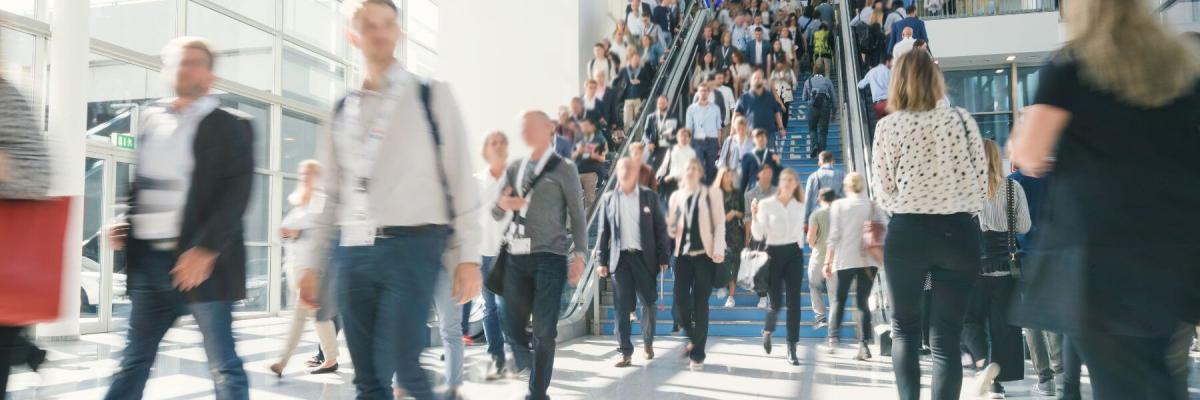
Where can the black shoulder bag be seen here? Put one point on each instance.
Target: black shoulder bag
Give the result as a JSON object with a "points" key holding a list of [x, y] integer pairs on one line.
{"points": [[495, 279], [1014, 262]]}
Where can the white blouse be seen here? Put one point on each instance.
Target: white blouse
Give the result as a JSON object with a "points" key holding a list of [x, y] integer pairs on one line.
{"points": [[925, 163], [493, 230], [846, 219], [777, 223], [994, 217], [679, 157]]}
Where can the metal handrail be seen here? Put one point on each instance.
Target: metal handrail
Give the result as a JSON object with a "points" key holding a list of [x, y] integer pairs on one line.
{"points": [[984, 8], [853, 132]]}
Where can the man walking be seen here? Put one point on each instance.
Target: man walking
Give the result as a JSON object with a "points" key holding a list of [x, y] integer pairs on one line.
{"points": [[760, 107], [819, 90], [185, 249], [543, 193], [704, 120], [633, 251], [401, 197]]}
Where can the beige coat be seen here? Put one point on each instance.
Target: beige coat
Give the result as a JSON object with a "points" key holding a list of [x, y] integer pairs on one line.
{"points": [[712, 229]]}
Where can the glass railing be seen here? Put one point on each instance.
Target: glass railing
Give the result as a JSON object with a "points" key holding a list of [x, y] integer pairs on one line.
{"points": [[938, 9], [671, 82]]}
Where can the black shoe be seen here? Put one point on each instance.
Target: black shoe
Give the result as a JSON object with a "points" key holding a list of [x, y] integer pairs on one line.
{"points": [[997, 391], [791, 356], [326, 370], [36, 358], [497, 371], [315, 361], [767, 342]]}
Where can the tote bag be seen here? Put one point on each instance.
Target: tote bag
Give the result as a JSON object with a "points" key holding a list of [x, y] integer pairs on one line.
{"points": [[32, 240]]}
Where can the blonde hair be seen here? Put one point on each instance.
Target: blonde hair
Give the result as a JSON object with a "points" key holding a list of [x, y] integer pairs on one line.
{"points": [[1123, 49], [917, 83], [172, 53], [302, 194], [488, 139], [995, 170], [854, 182], [797, 192]]}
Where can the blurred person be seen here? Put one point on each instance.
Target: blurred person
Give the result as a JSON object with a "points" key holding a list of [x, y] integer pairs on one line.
{"points": [[824, 10], [546, 243], [761, 109], [706, 68], [779, 221], [993, 342], [601, 62], [666, 15], [633, 249], [491, 180], [787, 47], [637, 155], [637, 81], [736, 147], [871, 43], [307, 205], [762, 189], [819, 91], [930, 173], [895, 13], [822, 47], [905, 44], [783, 81], [735, 235], [742, 32], [741, 71], [659, 133], [1045, 347], [591, 105], [387, 247], [652, 53], [847, 260], [817, 234], [185, 247], [725, 51], [589, 156], [695, 221], [673, 170], [761, 157], [910, 21], [1126, 309], [758, 51], [719, 86], [708, 44], [878, 79], [651, 30], [565, 131], [704, 122], [827, 176], [606, 102]]}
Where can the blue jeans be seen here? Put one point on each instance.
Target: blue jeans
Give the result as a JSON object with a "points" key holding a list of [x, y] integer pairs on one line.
{"points": [[450, 319], [534, 285], [707, 152], [494, 315], [156, 306], [384, 294]]}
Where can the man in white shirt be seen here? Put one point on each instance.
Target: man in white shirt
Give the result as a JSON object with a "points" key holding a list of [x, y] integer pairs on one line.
{"points": [[399, 199], [601, 62], [906, 44], [878, 79], [704, 121]]}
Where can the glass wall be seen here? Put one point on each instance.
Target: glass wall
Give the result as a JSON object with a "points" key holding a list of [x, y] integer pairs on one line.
{"points": [[282, 62], [991, 98]]}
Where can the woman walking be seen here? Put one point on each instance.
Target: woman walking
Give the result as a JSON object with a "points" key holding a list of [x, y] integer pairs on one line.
{"points": [[735, 236], [307, 204], [996, 345], [696, 221], [931, 175], [1115, 267], [779, 221], [847, 260]]}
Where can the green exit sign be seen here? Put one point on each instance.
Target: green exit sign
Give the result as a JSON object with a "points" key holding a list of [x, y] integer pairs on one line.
{"points": [[124, 141]]}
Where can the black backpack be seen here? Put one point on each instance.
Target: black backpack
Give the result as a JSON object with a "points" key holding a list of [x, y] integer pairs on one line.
{"points": [[821, 101], [870, 38]]}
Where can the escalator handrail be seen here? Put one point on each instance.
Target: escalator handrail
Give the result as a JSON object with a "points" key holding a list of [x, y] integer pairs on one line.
{"points": [[854, 133]]}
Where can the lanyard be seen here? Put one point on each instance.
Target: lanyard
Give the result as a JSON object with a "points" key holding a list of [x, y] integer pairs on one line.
{"points": [[762, 160], [521, 178], [365, 141]]}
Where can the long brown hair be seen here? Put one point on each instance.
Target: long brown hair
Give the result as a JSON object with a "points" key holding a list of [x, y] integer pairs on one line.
{"points": [[995, 170], [797, 192], [917, 83]]}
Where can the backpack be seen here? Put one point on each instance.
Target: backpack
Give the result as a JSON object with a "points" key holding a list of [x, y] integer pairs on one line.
{"points": [[820, 101], [871, 38], [821, 44]]}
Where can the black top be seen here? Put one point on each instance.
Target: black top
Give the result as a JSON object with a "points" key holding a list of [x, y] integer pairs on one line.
{"points": [[586, 162], [1118, 251], [694, 241]]}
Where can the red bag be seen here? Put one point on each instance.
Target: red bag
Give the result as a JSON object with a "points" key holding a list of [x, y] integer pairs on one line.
{"points": [[873, 236], [32, 236]]}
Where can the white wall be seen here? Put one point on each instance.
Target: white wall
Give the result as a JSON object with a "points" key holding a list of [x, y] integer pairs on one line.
{"points": [[502, 60], [995, 35]]}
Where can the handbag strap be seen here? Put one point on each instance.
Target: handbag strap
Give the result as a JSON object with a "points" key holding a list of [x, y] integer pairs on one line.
{"points": [[966, 134], [1011, 212]]}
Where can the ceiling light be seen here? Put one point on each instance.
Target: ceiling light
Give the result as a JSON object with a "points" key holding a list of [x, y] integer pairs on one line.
{"points": [[1011, 58], [1000, 71]]}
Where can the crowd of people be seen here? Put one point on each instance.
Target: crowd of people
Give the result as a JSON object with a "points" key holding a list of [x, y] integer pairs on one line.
{"points": [[974, 255]]}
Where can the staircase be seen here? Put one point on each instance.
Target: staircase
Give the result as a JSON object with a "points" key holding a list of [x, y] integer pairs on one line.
{"points": [[746, 319]]}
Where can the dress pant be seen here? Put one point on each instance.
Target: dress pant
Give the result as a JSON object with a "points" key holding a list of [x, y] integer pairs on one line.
{"points": [[634, 280], [817, 281], [156, 306], [864, 280], [325, 332], [493, 320], [8, 345], [693, 285], [707, 151], [588, 181], [533, 287], [949, 247], [1072, 370], [818, 129], [1045, 350], [785, 275], [986, 331], [1128, 367], [385, 293]]}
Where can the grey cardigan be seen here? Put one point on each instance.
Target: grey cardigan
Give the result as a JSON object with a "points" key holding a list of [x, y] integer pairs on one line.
{"points": [[22, 147], [554, 222]]}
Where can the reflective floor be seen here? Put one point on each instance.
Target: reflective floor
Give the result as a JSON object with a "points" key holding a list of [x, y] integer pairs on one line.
{"points": [[736, 369]]}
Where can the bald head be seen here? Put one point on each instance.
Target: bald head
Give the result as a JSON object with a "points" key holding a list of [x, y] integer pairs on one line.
{"points": [[536, 130], [907, 32]]}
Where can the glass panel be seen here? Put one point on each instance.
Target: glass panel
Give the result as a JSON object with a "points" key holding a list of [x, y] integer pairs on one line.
{"points": [[299, 139], [317, 22], [995, 127], [24, 8], [257, 219], [260, 121], [257, 287], [120, 298], [310, 78], [421, 61], [16, 60], [242, 51], [260, 10], [1027, 85], [93, 221], [285, 295], [143, 26], [422, 26], [980, 90], [116, 92]]}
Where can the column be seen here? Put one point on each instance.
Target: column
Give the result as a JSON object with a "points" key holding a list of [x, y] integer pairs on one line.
{"points": [[67, 95]]}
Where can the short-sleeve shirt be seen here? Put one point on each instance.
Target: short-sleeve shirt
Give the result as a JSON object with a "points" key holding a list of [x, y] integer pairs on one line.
{"points": [[820, 220], [585, 162], [760, 110]]}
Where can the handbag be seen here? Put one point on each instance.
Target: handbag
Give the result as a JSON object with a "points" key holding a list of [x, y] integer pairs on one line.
{"points": [[754, 259], [32, 240], [873, 235], [494, 282], [1014, 260]]}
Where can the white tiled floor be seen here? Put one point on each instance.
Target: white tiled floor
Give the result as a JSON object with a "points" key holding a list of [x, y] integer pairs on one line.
{"points": [[736, 369]]}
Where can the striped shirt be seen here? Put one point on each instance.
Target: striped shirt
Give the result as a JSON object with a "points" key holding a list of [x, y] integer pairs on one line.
{"points": [[22, 148], [994, 217]]}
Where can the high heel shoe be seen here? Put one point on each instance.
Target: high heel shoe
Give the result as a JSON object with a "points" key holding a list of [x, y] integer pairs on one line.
{"points": [[36, 358], [277, 368], [766, 342], [325, 370]]}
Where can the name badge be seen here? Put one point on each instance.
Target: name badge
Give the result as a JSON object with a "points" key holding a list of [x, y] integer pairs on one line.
{"points": [[587, 156], [359, 233], [520, 246]]}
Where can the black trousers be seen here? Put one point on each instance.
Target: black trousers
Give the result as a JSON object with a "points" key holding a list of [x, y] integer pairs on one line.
{"points": [[693, 285], [864, 280], [8, 344], [947, 246], [987, 334], [633, 280], [1127, 367], [785, 277], [818, 129], [1072, 371]]}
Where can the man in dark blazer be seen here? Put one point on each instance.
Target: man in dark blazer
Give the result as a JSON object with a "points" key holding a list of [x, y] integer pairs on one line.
{"points": [[185, 246], [758, 51], [633, 251], [917, 25], [659, 133], [666, 15]]}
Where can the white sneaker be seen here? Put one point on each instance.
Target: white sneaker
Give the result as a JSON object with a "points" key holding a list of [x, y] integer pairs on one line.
{"points": [[984, 379], [722, 292], [696, 366], [762, 303], [729, 303]]}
